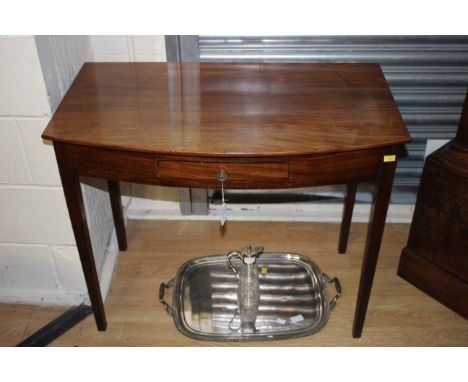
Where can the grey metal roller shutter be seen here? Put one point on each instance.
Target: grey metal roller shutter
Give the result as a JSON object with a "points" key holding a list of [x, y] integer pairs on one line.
{"points": [[428, 76]]}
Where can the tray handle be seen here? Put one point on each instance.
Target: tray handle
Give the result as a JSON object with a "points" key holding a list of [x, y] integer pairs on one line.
{"points": [[162, 289], [337, 284]]}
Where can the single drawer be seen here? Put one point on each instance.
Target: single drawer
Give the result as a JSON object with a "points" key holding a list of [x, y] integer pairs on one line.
{"points": [[235, 171]]}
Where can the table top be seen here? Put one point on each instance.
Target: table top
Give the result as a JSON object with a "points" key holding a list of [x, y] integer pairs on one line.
{"points": [[229, 109]]}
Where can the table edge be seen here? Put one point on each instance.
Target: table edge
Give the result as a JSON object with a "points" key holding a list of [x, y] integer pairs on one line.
{"points": [[228, 154]]}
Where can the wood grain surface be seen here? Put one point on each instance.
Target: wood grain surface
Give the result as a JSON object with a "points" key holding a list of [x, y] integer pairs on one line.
{"points": [[399, 315], [243, 172], [436, 256], [229, 109]]}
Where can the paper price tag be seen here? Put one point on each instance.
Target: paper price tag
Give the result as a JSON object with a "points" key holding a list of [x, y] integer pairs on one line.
{"points": [[389, 158], [223, 214], [297, 318]]}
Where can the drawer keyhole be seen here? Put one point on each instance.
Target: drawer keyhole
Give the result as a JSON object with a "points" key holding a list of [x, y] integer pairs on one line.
{"points": [[222, 177]]}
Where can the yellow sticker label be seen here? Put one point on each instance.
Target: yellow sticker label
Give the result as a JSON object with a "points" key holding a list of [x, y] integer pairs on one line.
{"points": [[264, 270], [389, 158]]}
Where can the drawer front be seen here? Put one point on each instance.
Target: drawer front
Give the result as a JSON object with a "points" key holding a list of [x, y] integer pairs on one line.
{"points": [[235, 171], [263, 173]]}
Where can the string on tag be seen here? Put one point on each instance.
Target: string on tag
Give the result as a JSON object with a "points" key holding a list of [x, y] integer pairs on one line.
{"points": [[222, 177], [222, 192], [223, 212]]}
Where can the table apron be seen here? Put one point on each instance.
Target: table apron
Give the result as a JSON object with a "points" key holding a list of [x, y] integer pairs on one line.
{"points": [[242, 173]]}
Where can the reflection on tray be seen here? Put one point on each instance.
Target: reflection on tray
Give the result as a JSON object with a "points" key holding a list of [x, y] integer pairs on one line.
{"points": [[289, 299]]}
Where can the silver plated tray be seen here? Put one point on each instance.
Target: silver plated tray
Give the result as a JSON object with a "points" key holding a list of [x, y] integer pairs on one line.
{"points": [[293, 298]]}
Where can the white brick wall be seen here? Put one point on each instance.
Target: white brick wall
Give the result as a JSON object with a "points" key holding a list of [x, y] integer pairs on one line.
{"points": [[22, 90], [67, 262], [39, 153], [128, 48], [26, 262], [36, 261], [14, 168], [34, 215], [39, 262]]}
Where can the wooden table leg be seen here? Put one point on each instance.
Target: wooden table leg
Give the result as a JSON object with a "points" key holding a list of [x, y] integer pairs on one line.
{"points": [[347, 216], [374, 238], [117, 213], [74, 198]]}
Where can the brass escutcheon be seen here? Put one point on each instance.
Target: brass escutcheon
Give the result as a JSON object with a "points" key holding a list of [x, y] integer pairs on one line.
{"points": [[222, 176]]}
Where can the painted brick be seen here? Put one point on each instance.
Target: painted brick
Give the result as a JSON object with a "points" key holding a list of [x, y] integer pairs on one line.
{"points": [[27, 267], [101, 225], [124, 48], [149, 48], [69, 269], [147, 44], [99, 215], [22, 86], [13, 163], [38, 254], [34, 215], [105, 47], [40, 153], [93, 189], [61, 58]]}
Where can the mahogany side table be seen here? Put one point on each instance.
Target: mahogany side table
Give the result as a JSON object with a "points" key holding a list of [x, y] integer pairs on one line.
{"points": [[263, 125]]}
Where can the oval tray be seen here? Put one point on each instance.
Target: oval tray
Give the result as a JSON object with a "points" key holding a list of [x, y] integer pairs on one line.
{"points": [[293, 298]]}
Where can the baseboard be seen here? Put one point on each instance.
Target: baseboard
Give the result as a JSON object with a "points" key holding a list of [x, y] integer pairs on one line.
{"points": [[43, 298], [309, 212]]}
